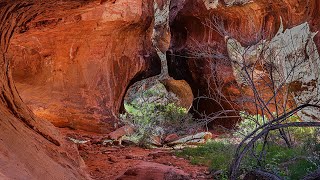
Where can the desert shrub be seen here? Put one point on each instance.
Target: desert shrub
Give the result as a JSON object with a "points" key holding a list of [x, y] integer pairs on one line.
{"points": [[154, 113], [296, 134], [276, 157], [289, 163], [248, 124]]}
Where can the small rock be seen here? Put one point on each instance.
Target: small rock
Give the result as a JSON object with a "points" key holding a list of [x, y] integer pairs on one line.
{"points": [[124, 130], [77, 141], [107, 142], [171, 137], [156, 140], [196, 139], [129, 157], [201, 177], [112, 159], [193, 175]]}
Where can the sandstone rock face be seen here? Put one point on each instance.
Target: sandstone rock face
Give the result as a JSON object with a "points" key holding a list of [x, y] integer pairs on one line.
{"points": [[198, 44], [295, 60], [73, 63], [30, 148]]}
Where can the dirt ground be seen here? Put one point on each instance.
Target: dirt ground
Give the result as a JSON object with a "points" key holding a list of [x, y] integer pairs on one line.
{"points": [[108, 162]]}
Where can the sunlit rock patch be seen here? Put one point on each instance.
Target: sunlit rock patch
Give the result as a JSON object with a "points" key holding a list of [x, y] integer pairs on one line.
{"points": [[294, 54]]}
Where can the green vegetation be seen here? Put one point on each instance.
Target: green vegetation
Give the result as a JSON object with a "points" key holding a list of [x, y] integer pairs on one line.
{"points": [[250, 122], [217, 155], [289, 163], [277, 158], [153, 114]]}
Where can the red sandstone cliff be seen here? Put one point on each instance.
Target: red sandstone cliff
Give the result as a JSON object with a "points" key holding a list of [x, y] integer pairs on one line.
{"points": [[249, 23], [73, 63]]}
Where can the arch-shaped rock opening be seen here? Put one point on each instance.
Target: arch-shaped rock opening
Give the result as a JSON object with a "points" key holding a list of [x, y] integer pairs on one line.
{"points": [[194, 25], [52, 55], [72, 66]]}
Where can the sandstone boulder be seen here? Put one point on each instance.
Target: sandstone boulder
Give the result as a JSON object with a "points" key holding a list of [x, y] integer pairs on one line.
{"points": [[119, 133]]}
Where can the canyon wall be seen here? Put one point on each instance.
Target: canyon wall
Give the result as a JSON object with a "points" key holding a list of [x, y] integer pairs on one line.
{"points": [[198, 30], [30, 147], [69, 62], [73, 64]]}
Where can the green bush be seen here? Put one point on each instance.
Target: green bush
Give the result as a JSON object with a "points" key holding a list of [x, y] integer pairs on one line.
{"points": [[152, 113], [289, 163], [250, 122]]}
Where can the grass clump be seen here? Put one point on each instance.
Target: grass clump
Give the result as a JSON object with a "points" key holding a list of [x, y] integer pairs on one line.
{"points": [[289, 163], [217, 155]]}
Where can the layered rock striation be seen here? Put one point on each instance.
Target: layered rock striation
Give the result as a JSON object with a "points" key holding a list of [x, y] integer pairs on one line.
{"points": [[198, 47], [73, 63]]}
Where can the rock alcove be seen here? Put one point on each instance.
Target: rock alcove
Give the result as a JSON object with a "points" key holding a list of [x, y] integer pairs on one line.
{"points": [[73, 61]]}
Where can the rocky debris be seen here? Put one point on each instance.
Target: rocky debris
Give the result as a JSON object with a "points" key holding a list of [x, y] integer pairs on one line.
{"points": [[115, 138], [199, 138], [111, 161], [154, 171], [77, 141]]}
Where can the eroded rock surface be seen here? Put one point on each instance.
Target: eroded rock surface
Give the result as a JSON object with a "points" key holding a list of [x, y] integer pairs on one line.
{"points": [[30, 148], [295, 59], [198, 44], [73, 63]]}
